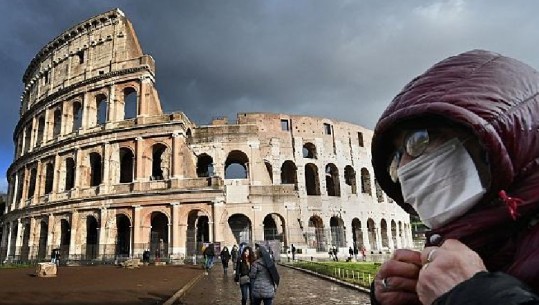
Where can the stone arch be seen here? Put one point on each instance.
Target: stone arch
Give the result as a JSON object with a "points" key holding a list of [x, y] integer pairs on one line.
{"points": [[25, 249], [333, 186], [92, 238], [27, 137], [70, 167], [289, 173], [269, 169], [159, 234], [130, 99], [96, 169], [315, 234], [127, 165], [338, 233], [49, 177], [40, 130], [32, 182], [371, 228], [57, 122], [205, 165], [77, 116], [65, 238], [384, 234], [309, 151], [312, 183], [365, 181], [101, 105], [350, 178], [198, 231], [379, 192], [241, 228], [159, 162], [123, 235], [394, 233], [236, 165], [42, 243], [274, 227], [357, 233]]}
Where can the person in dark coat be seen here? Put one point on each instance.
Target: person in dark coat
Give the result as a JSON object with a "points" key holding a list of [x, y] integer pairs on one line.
{"points": [[234, 257], [209, 255], [243, 269], [459, 147], [264, 278], [225, 257]]}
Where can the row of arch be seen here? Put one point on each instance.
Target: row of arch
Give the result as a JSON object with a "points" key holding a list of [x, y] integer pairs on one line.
{"points": [[69, 117]]}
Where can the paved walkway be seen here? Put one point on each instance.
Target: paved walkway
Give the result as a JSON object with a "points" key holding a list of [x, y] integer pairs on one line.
{"points": [[296, 288]]}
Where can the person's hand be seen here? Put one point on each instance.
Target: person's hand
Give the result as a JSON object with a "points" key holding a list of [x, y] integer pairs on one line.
{"points": [[444, 267], [396, 280]]}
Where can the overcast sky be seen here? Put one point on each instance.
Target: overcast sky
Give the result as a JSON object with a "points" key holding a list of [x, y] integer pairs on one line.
{"points": [[344, 60]]}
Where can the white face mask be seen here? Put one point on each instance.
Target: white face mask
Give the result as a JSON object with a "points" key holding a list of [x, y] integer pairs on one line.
{"points": [[441, 185]]}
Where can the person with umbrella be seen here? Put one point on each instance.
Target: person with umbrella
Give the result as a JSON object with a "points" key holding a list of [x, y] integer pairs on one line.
{"points": [[264, 277]]}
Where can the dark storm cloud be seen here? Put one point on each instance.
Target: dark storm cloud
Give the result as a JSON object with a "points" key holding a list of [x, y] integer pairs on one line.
{"points": [[338, 59]]}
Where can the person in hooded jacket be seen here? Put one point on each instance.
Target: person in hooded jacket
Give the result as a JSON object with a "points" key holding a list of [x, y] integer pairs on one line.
{"points": [[225, 257], [263, 285], [243, 269], [459, 146]]}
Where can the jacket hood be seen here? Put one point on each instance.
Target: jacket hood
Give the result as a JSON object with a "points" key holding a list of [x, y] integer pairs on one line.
{"points": [[493, 96]]}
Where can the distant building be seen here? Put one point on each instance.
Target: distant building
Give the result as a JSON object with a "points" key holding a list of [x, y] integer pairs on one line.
{"points": [[101, 172]]}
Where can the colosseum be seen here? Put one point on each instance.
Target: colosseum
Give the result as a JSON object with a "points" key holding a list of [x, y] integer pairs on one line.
{"points": [[101, 173]]}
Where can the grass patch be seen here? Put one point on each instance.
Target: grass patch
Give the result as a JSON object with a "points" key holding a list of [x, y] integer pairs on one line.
{"points": [[359, 273]]}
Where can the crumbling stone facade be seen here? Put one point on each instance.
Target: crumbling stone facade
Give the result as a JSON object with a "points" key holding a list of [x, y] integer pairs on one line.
{"points": [[100, 172]]}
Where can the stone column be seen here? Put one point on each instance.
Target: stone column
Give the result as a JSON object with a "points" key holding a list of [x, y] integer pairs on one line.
{"points": [[57, 172], [24, 185], [218, 207], [18, 240], [50, 236], [378, 239], [74, 223], [399, 237], [85, 110], [365, 233], [137, 246], [175, 239], [105, 182], [32, 253], [103, 227], [47, 129], [4, 242], [37, 188], [177, 157], [9, 230], [139, 151], [390, 243]]}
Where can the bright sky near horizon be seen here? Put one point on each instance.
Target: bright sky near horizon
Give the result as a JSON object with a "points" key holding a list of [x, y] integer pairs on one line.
{"points": [[344, 60]]}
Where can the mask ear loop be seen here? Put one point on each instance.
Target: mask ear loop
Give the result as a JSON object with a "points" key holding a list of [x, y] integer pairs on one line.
{"points": [[512, 204]]}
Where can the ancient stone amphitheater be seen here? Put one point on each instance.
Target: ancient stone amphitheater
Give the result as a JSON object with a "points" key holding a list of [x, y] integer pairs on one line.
{"points": [[101, 173]]}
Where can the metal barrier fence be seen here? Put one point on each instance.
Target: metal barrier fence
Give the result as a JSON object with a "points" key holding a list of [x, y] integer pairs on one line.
{"points": [[345, 274]]}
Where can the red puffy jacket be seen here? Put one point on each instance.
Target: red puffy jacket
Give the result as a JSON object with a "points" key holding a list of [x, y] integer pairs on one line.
{"points": [[496, 98]]}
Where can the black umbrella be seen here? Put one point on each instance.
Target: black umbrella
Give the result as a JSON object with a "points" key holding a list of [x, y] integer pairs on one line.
{"points": [[268, 261]]}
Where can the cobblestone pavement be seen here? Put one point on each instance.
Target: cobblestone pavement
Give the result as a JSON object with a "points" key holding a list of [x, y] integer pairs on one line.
{"points": [[296, 288]]}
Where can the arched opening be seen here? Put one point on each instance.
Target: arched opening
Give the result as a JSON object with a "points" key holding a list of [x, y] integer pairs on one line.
{"points": [[333, 186], [32, 184], [338, 234], [43, 233], [365, 182], [394, 234], [20, 183], [77, 116], [204, 166], [49, 177], [126, 165], [309, 151], [70, 174], [198, 231], [57, 125], [315, 234], [65, 239], [274, 227], [350, 178], [311, 179], [289, 173], [123, 237], [371, 228], [379, 193], [27, 138], [236, 165], [130, 103], [384, 234], [357, 233], [269, 169], [241, 228], [159, 162], [159, 235], [92, 246], [40, 130], [25, 249], [95, 169], [101, 106]]}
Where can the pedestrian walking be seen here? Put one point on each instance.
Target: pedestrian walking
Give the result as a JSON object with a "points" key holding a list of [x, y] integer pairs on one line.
{"points": [[234, 257], [242, 273], [356, 252], [225, 257], [209, 253], [350, 253], [293, 252], [335, 254], [264, 278]]}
